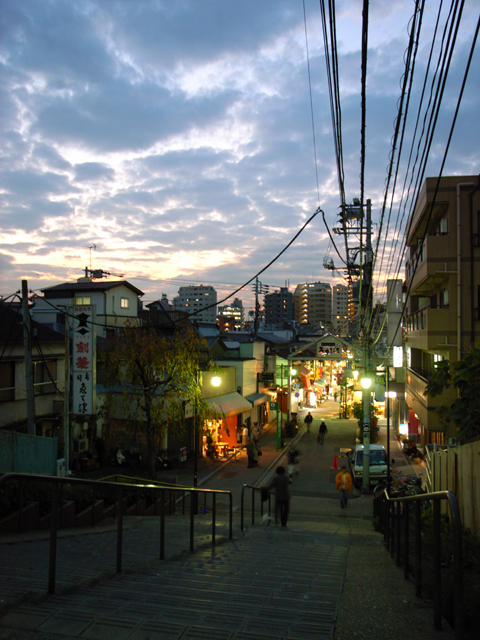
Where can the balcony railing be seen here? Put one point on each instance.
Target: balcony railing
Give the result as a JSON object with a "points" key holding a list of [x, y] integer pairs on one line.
{"points": [[436, 252], [7, 394]]}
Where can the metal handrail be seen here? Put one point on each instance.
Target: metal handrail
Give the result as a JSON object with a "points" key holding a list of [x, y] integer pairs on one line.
{"points": [[118, 488], [391, 512], [249, 486]]}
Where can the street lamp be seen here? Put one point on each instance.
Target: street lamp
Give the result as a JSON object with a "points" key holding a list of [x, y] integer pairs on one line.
{"points": [[293, 372], [366, 383], [388, 395]]}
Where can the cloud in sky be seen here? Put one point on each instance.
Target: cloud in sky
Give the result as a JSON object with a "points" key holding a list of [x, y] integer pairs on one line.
{"points": [[177, 136]]}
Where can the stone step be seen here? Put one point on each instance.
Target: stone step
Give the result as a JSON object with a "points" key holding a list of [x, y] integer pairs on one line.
{"points": [[268, 582]]}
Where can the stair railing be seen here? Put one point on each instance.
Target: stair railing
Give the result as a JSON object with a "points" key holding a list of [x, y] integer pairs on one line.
{"points": [[253, 493], [118, 489], [394, 522]]}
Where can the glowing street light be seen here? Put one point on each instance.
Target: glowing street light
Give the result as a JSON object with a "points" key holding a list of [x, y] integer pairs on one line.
{"points": [[366, 383]]}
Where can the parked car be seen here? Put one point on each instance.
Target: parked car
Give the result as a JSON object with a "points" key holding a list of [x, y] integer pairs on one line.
{"points": [[378, 464]]}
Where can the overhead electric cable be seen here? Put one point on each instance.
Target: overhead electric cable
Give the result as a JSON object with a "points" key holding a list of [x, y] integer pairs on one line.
{"points": [[331, 62], [401, 118], [459, 100], [311, 101], [409, 92], [317, 211], [404, 200]]}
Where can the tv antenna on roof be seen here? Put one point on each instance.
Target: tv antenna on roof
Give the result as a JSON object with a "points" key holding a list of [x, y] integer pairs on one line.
{"points": [[96, 274], [93, 246]]}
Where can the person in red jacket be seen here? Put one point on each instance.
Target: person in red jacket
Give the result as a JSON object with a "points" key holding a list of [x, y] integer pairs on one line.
{"points": [[343, 483]]}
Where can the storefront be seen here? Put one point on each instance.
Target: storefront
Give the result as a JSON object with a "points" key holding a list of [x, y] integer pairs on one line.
{"points": [[259, 411], [221, 433]]}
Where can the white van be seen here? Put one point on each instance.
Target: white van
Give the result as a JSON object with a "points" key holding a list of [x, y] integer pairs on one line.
{"points": [[378, 464]]}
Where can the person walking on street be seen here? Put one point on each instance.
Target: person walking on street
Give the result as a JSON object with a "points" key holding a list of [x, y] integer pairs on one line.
{"points": [[280, 483], [308, 421], [257, 451], [343, 483], [293, 465], [321, 432]]}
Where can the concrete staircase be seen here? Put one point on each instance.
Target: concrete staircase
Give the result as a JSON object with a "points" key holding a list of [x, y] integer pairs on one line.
{"points": [[267, 582]]}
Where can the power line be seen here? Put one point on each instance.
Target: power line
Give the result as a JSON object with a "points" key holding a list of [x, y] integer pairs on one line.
{"points": [[311, 101]]}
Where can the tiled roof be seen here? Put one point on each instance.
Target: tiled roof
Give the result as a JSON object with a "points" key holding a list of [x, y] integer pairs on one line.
{"points": [[89, 286]]}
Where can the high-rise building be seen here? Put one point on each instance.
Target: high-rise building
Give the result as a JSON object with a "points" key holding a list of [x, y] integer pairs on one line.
{"points": [[278, 307], [312, 304], [235, 311], [198, 299], [340, 309]]}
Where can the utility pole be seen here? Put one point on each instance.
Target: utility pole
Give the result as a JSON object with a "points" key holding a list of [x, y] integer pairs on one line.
{"points": [[66, 408], [27, 344], [259, 288], [257, 309], [366, 297], [354, 219]]}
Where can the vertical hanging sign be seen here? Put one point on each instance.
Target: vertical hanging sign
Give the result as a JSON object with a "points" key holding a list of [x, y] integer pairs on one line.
{"points": [[83, 360]]}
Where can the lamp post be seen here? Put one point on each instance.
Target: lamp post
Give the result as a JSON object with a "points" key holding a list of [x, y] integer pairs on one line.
{"points": [[291, 373], [366, 382], [388, 395]]}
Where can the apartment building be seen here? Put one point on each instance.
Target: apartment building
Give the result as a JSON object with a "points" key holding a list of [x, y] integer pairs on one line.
{"points": [[200, 300], [235, 314], [341, 299], [278, 307], [443, 293], [312, 304]]}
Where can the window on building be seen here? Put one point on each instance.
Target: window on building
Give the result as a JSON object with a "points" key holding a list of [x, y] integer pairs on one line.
{"points": [[83, 300], [44, 377], [444, 298], [7, 381], [124, 303], [443, 227]]}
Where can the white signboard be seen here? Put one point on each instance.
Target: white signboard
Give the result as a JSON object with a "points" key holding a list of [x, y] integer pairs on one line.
{"points": [[83, 360], [398, 357]]}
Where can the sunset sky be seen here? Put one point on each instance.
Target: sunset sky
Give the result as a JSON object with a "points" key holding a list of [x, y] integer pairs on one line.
{"points": [[176, 136]]}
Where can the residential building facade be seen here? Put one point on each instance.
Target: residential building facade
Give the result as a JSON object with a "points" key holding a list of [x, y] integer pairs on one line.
{"points": [[341, 295], [47, 349], [312, 304], [443, 293], [278, 308], [199, 300], [233, 311], [116, 303]]}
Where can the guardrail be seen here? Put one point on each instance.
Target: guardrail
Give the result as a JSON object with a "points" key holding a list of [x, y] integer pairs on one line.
{"points": [[118, 490], [395, 523]]}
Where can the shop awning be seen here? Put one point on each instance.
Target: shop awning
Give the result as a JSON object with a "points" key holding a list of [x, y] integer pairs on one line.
{"points": [[229, 404], [257, 398]]}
